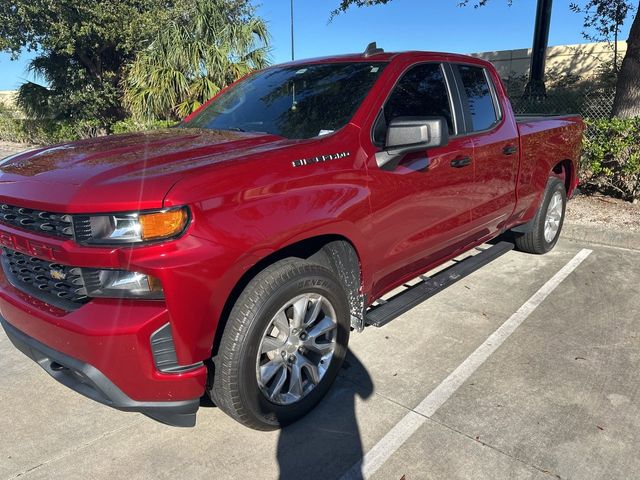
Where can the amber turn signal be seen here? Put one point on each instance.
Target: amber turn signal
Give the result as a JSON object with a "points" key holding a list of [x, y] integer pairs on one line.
{"points": [[158, 225]]}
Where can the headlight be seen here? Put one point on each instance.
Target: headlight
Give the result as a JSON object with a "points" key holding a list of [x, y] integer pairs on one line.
{"points": [[121, 284], [130, 227]]}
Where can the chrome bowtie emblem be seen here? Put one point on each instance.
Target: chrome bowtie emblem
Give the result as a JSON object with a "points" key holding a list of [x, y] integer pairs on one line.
{"points": [[57, 274]]}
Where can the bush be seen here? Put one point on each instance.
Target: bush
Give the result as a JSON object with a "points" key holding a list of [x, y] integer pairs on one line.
{"points": [[39, 131], [47, 131], [611, 157], [131, 125], [32, 131]]}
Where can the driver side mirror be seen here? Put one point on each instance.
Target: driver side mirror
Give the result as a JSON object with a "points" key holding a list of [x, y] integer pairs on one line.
{"points": [[411, 134]]}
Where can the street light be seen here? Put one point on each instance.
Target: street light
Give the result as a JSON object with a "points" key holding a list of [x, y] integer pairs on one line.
{"points": [[535, 88]]}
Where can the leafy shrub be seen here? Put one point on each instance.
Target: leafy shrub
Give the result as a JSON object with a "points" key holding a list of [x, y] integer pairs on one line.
{"points": [[48, 131], [33, 131], [611, 157], [131, 125]]}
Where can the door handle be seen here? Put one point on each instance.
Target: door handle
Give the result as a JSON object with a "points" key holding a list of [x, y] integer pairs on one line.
{"points": [[509, 149], [461, 162]]}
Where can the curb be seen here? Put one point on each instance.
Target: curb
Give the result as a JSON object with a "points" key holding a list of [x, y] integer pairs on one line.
{"points": [[601, 235]]}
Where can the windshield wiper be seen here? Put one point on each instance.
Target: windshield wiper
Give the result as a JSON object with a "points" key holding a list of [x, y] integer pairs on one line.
{"points": [[235, 129]]}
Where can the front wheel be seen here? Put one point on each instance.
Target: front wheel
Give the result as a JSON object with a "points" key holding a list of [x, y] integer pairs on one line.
{"points": [[283, 345], [548, 221]]}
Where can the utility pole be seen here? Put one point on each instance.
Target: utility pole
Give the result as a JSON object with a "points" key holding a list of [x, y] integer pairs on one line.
{"points": [[535, 89], [293, 54]]}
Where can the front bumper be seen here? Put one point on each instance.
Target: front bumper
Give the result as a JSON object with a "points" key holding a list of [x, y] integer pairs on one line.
{"points": [[151, 352], [92, 383]]}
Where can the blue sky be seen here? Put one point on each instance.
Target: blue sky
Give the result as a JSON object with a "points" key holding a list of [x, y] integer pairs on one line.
{"points": [[400, 25]]}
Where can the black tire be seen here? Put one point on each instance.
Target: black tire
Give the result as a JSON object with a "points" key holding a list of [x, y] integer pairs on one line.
{"points": [[235, 387], [535, 241]]}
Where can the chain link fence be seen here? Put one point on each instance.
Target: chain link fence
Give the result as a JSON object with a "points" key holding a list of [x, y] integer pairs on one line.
{"points": [[598, 105], [592, 105]]}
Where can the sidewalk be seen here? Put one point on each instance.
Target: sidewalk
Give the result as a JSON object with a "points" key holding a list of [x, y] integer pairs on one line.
{"points": [[8, 148]]}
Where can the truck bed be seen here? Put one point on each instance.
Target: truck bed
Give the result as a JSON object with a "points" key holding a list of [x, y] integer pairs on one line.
{"points": [[543, 137]]}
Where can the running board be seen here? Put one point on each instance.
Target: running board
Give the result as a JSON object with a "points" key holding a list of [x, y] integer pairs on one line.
{"points": [[403, 302]]}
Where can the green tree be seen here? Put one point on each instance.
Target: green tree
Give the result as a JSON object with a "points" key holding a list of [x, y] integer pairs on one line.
{"points": [[82, 47], [603, 20], [627, 101], [604, 17], [207, 45]]}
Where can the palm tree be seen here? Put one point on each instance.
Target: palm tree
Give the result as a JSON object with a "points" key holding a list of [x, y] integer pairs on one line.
{"points": [[208, 45]]}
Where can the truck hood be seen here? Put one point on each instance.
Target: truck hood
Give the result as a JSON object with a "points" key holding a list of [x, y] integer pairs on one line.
{"points": [[116, 173]]}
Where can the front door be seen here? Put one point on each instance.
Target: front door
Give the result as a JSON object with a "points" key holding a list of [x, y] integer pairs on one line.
{"points": [[421, 210]]}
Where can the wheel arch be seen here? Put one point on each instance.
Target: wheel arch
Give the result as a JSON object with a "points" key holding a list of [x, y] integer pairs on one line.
{"points": [[565, 170], [333, 251]]}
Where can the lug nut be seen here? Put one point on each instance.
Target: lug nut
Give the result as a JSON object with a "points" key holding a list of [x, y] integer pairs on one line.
{"points": [[303, 336], [292, 358], [283, 353]]}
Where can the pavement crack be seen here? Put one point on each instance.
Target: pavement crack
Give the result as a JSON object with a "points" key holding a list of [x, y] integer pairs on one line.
{"points": [[353, 381], [74, 449], [496, 449]]}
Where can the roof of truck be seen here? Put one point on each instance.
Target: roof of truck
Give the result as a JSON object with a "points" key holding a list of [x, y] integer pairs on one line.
{"points": [[381, 57]]}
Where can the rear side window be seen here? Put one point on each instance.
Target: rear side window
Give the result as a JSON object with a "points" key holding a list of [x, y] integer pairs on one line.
{"points": [[421, 92], [479, 97]]}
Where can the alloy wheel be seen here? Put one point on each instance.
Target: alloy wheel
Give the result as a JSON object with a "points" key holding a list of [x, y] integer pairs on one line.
{"points": [[296, 348], [553, 217]]}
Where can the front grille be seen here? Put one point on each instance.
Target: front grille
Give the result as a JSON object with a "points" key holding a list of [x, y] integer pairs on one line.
{"points": [[58, 285], [56, 224], [82, 228]]}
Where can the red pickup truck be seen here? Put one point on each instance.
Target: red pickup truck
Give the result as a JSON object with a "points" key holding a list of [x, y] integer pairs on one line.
{"points": [[234, 254]]}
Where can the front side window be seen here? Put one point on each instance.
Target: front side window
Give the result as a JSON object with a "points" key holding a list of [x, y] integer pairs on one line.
{"points": [[421, 92], [479, 97], [296, 102]]}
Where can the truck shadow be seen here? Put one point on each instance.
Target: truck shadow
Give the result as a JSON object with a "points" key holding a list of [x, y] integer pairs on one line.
{"points": [[327, 442]]}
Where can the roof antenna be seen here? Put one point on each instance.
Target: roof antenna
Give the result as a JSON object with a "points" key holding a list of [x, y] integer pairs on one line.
{"points": [[372, 49]]}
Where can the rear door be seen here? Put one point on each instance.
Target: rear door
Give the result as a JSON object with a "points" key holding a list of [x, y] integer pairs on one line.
{"points": [[420, 210], [495, 139]]}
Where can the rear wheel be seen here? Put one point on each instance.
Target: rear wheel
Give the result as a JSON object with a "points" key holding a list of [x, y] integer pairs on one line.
{"points": [[548, 221], [283, 345]]}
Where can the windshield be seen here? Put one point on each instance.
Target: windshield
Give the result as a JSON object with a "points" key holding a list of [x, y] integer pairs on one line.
{"points": [[301, 101]]}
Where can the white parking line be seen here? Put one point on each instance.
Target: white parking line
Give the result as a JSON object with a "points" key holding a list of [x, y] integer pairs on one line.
{"points": [[413, 420]]}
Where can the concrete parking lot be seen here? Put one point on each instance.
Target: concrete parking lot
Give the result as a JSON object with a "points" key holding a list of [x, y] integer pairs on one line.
{"points": [[558, 399]]}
